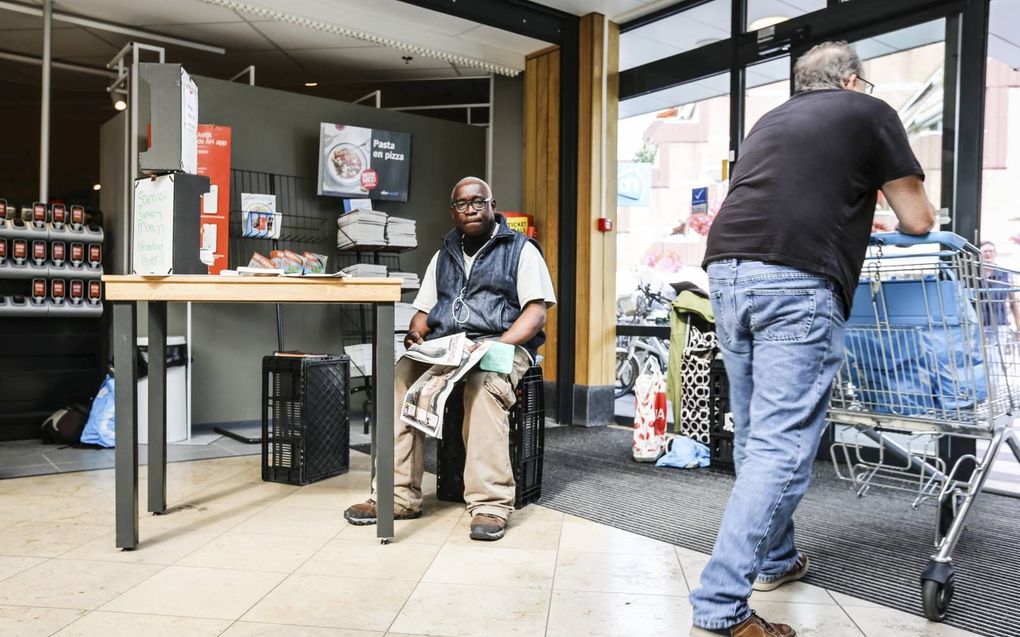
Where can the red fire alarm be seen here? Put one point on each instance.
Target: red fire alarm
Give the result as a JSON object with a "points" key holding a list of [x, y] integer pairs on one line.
{"points": [[605, 224]]}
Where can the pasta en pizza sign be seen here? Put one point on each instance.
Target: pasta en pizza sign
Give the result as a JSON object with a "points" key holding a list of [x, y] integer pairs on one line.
{"points": [[364, 163]]}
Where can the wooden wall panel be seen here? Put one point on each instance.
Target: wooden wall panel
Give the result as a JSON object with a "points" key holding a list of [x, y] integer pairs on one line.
{"points": [[541, 173]]}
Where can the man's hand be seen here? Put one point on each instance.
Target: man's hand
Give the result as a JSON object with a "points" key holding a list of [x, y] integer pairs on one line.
{"points": [[412, 338]]}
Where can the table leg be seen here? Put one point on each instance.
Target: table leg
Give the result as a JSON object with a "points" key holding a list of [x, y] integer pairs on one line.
{"points": [[157, 407], [126, 423], [382, 421]]}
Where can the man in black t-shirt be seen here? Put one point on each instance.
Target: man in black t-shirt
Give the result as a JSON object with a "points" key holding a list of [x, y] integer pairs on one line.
{"points": [[783, 258]]}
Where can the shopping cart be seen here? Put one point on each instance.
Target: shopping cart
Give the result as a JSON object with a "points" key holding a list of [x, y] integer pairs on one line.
{"points": [[927, 361]]}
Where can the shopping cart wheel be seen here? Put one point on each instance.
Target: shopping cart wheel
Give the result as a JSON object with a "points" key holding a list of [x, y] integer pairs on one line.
{"points": [[937, 592]]}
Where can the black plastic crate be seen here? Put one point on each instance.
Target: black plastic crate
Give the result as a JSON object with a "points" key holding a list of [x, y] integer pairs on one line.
{"points": [[527, 442], [305, 427], [720, 440]]}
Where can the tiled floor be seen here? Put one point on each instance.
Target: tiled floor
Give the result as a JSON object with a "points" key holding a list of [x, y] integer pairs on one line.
{"points": [[241, 558]]}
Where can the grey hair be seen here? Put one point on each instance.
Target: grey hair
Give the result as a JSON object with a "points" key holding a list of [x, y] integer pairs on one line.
{"points": [[470, 180], [826, 66]]}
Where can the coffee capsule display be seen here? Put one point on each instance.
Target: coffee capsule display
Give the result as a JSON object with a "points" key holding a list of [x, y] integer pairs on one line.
{"points": [[39, 252], [57, 290], [58, 214], [95, 255], [77, 254], [77, 291], [38, 290], [58, 252], [3, 208], [77, 216], [95, 292], [39, 214], [19, 251], [3, 249]]}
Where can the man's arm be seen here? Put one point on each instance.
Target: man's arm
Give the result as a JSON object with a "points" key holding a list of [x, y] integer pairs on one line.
{"points": [[528, 324], [418, 329], [910, 203]]}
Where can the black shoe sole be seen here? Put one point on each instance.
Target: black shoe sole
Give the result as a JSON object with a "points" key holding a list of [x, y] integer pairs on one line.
{"points": [[483, 536], [370, 521]]}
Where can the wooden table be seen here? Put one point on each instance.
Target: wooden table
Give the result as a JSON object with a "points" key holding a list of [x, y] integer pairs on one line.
{"points": [[125, 292]]}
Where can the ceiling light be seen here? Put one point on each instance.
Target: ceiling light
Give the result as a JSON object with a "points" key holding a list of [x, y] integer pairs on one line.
{"points": [[120, 105], [767, 21], [311, 84], [97, 187]]}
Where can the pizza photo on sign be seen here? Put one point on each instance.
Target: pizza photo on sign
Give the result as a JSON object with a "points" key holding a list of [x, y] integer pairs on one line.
{"points": [[359, 163]]}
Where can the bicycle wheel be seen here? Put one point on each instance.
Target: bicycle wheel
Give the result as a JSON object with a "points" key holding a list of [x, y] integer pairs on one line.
{"points": [[626, 372]]}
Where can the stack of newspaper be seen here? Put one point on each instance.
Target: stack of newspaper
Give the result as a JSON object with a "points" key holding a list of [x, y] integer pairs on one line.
{"points": [[361, 228], [402, 314], [411, 280], [365, 270], [401, 233], [361, 356], [451, 357]]}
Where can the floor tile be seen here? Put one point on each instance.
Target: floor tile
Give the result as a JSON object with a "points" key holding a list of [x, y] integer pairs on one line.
{"points": [[154, 547], [103, 624], [589, 537], [574, 613], [72, 583], [847, 600], [487, 564], [425, 530], [693, 563], [469, 611], [369, 559], [328, 499], [282, 520], [23, 621], [811, 620], [886, 622], [47, 539], [80, 485], [255, 552], [619, 573], [10, 566], [250, 629], [537, 513], [197, 592], [337, 602]]}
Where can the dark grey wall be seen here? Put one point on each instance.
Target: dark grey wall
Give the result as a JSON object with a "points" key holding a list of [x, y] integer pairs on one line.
{"points": [[507, 154], [277, 132]]}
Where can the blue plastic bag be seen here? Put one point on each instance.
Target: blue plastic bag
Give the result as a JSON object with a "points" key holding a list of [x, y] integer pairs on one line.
{"points": [[99, 430], [685, 453]]}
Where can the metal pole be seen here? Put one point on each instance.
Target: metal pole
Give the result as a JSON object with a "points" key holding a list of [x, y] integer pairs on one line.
{"points": [[44, 110], [132, 156]]}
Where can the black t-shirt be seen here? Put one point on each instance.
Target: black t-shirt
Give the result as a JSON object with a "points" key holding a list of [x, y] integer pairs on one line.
{"points": [[803, 191]]}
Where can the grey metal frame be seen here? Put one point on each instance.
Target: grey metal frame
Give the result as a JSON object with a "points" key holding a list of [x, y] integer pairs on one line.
{"points": [[125, 331]]}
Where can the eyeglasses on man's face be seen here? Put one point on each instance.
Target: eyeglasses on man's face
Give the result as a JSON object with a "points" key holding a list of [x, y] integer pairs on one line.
{"points": [[477, 204], [869, 88]]}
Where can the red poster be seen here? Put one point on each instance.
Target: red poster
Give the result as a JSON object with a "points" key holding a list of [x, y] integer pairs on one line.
{"points": [[214, 162]]}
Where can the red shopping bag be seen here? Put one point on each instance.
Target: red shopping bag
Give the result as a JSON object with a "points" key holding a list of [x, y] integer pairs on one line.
{"points": [[649, 415]]}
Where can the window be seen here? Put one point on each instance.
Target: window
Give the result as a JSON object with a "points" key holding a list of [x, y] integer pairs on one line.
{"points": [[676, 148], [680, 32], [763, 13], [768, 86]]}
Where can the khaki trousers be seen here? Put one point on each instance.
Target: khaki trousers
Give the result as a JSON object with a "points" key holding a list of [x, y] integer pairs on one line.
{"points": [[488, 476]]}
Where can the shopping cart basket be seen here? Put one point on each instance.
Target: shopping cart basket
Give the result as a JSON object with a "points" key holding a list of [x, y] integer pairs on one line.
{"points": [[927, 359]]}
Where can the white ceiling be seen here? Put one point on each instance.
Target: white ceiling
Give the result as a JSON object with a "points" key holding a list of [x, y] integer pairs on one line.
{"points": [[289, 46]]}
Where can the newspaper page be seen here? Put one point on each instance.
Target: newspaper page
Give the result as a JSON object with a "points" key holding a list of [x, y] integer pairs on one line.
{"points": [[425, 401], [447, 351]]}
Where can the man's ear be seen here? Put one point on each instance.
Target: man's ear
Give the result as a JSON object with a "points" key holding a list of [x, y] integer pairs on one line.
{"points": [[493, 204]]}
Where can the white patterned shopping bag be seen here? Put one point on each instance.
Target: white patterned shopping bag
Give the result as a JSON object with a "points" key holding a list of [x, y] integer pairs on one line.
{"points": [[649, 414]]}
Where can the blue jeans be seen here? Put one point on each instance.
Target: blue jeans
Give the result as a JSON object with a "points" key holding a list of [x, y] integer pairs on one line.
{"points": [[781, 333]]}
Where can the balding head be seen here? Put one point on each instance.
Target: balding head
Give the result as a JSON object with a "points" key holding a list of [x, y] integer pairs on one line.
{"points": [[828, 65], [468, 181]]}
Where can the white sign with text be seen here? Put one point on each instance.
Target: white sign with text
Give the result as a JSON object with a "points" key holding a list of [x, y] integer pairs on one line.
{"points": [[153, 237]]}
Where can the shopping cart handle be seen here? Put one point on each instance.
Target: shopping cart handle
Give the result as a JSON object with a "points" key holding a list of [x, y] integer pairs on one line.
{"points": [[946, 239]]}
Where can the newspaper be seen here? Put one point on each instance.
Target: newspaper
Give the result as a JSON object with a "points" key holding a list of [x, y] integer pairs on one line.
{"points": [[451, 358]]}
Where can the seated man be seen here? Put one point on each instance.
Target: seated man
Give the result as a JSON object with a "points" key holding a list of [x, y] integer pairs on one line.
{"points": [[490, 282]]}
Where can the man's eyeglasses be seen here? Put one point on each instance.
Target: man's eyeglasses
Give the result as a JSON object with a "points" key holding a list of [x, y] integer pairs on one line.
{"points": [[869, 88], [477, 204]]}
